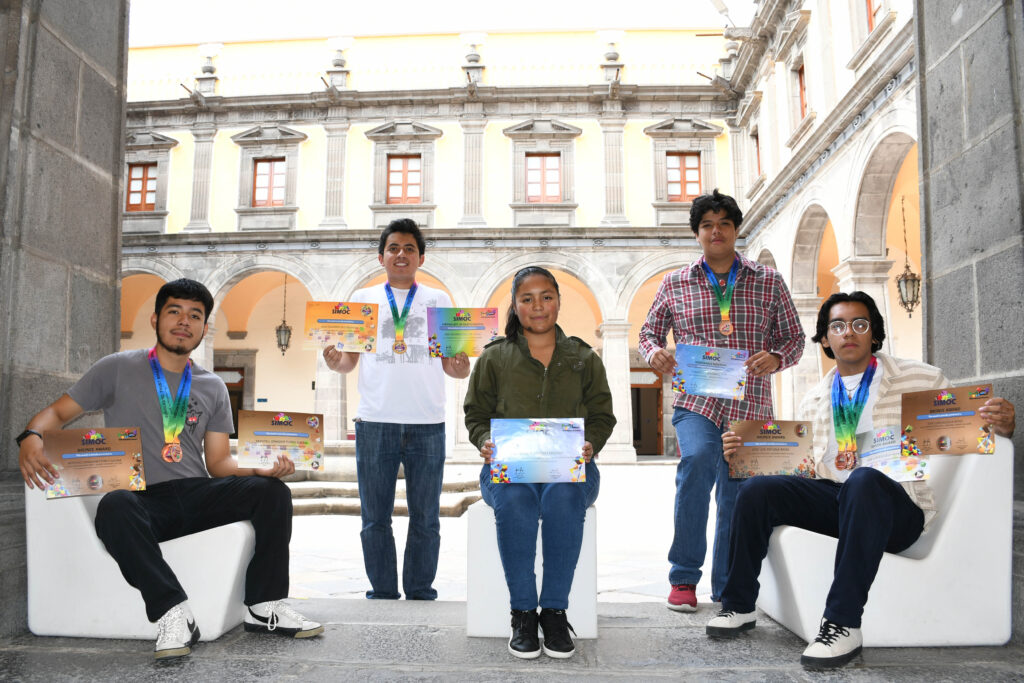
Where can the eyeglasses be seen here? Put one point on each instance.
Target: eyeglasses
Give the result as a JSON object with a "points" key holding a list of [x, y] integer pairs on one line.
{"points": [[859, 325]]}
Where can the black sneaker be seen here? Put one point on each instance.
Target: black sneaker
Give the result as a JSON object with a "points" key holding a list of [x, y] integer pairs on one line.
{"points": [[524, 643], [556, 627]]}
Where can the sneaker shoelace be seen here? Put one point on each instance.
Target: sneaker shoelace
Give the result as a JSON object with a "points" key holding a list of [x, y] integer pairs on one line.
{"points": [[278, 609], [830, 633], [725, 613], [562, 620]]}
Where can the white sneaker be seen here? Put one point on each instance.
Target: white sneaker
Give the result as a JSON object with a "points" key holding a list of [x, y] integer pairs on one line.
{"points": [[277, 617], [176, 632], [727, 623], [834, 646]]}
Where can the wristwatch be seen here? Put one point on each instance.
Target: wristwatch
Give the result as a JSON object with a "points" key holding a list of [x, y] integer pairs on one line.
{"points": [[25, 434]]}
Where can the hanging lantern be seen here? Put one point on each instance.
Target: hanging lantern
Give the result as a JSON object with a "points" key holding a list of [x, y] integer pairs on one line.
{"points": [[908, 282], [284, 330]]}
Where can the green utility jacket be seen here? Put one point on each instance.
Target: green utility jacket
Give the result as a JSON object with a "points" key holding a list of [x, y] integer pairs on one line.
{"points": [[507, 382]]}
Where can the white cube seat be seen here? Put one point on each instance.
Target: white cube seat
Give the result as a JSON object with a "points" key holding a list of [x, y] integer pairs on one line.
{"points": [[487, 598], [952, 587], [76, 589]]}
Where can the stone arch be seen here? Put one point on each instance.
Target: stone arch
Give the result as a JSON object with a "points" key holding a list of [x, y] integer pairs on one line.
{"points": [[137, 265], [582, 270], [224, 278], [806, 244], [875, 193], [765, 258], [644, 270]]}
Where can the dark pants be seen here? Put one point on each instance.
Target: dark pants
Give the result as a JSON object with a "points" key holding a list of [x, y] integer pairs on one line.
{"points": [[870, 514], [131, 524]]}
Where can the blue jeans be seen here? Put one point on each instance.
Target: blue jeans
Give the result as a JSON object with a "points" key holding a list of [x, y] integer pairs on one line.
{"points": [[517, 509], [380, 447], [701, 466]]}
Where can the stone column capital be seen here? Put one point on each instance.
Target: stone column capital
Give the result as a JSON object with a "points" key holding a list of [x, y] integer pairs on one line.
{"points": [[474, 124], [336, 128], [863, 270]]}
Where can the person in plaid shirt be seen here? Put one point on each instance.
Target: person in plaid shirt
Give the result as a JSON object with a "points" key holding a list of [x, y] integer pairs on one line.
{"points": [[759, 317]]}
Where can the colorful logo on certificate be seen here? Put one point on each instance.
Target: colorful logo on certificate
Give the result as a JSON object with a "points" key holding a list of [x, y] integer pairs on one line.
{"points": [[93, 438], [281, 419], [945, 398], [711, 355], [128, 434], [312, 422], [341, 309], [980, 392], [801, 430], [771, 429], [537, 427]]}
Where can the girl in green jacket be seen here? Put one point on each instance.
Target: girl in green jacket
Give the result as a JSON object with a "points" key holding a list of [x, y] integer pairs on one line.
{"points": [[535, 371]]}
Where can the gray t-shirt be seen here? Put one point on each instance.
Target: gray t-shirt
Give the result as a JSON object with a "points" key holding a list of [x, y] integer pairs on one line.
{"points": [[122, 386]]}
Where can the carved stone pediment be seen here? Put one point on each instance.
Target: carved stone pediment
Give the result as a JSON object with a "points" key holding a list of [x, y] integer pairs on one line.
{"points": [[542, 129], [683, 128], [269, 135], [394, 131], [791, 32], [147, 139]]}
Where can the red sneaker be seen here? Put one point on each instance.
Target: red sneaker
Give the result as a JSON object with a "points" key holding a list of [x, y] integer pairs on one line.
{"points": [[683, 598]]}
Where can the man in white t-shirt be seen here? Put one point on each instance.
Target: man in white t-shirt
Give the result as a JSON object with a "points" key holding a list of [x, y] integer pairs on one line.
{"points": [[400, 419], [868, 512]]}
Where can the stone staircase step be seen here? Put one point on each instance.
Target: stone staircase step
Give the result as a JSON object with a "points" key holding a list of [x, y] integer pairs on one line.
{"points": [[453, 504]]}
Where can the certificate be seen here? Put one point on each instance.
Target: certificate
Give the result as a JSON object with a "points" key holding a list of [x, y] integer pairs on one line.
{"points": [[774, 447], [347, 325], [265, 434], [946, 421], [460, 330], [881, 449], [537, 451], [710, 371], [94, 461]]}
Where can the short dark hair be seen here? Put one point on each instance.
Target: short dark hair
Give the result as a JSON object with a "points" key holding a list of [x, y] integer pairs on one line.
{"points": [[514, 326], [190, 290], [405, 226], [716, 201], [874, 316]]}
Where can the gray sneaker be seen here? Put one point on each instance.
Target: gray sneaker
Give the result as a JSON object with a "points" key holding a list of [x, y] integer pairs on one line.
{"points": [[727, 624], [176, 633], [835, 646], [276, 617]]}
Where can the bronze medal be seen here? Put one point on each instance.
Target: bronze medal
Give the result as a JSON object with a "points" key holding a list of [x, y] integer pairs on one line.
{"points": [[399, 346], [171, 452], [846, 460], [725, 327]]}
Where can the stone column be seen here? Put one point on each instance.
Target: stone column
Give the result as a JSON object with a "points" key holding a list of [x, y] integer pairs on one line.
{"points": [[330, 401], [334, 201], [203, 355], [473, 170], [740, 169], [202, 176], [614, 172], [870, 276], [615, 337], [807, 372]]}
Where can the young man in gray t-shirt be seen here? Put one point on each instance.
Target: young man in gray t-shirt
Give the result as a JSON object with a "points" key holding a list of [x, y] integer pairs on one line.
{"points": [[193, 483]]}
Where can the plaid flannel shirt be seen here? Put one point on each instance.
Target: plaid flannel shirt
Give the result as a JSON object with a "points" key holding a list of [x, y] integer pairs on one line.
{"points": [[762, 313]]}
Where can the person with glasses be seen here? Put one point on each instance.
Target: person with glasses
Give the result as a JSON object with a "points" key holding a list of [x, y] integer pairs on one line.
{"points": [[863, 508], [722, 299]]}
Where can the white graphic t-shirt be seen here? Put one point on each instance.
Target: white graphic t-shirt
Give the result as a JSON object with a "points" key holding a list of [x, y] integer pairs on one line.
{"points": [[406, 388]]}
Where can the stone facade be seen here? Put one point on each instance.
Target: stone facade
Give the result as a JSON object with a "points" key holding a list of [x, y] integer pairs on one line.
{"points": [[61, 157]]}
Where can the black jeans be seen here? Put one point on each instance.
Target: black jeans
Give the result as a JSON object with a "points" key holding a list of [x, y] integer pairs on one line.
{"points": [[870, 514], [131, 524]]}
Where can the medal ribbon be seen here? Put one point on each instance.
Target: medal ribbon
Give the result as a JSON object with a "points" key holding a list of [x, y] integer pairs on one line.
{"points": [[846, 411], [399, 319], [173, 412], [724, 299]]}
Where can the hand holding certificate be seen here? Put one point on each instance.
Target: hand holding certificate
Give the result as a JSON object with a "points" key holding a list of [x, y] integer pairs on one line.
{"points": [[537, 451], [94, 461], [263, 435], [347, 325], [451, 331], [947, 421], [774, 447], [710, 371]]}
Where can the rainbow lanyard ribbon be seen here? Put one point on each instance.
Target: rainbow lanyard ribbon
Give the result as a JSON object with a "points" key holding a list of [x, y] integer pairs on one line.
{"points": [[399, 345], [846, 414], [173, 412], [724, 298]]}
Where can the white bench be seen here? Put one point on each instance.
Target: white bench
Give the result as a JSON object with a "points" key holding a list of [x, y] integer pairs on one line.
{"points": [[952, 587], [487, 598], [76, 589]]}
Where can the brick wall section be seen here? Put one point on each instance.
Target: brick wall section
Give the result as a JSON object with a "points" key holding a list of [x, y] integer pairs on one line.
{"points": [[970, 84], [61, 138]]}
